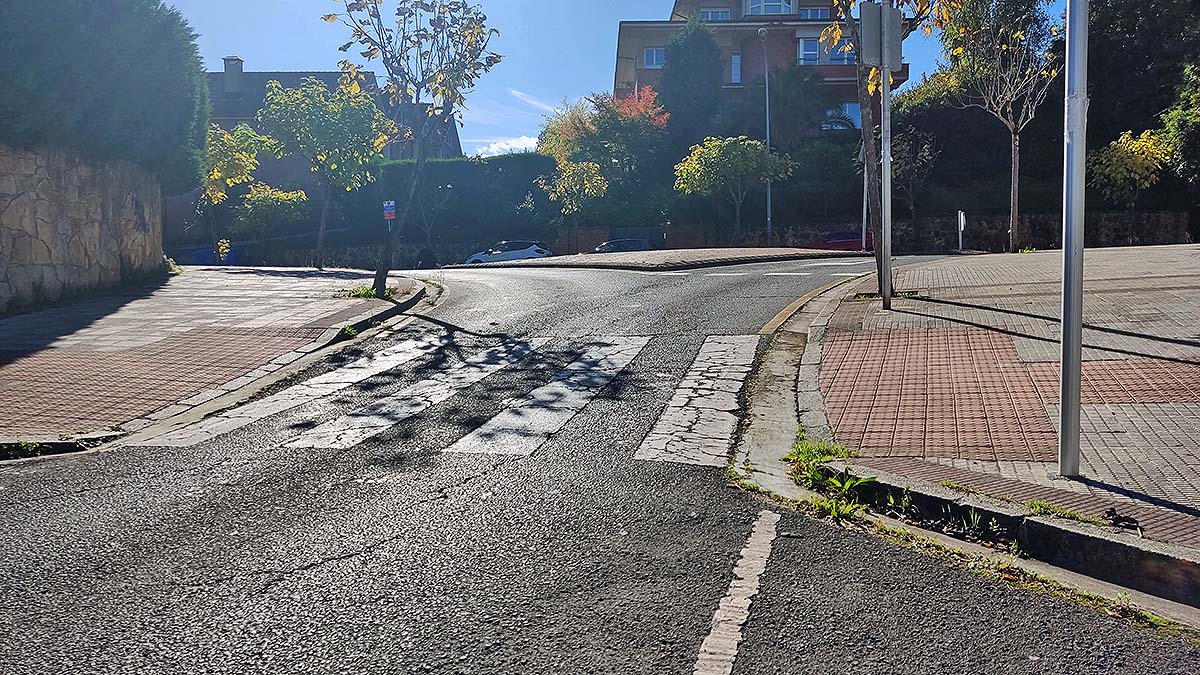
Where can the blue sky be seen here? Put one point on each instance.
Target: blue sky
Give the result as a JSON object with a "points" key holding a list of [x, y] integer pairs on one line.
{"points": [[552, 50]]}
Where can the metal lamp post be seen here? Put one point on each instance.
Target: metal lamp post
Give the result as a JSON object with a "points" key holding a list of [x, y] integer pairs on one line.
{"points": [[762, 35], [1073, 198]]}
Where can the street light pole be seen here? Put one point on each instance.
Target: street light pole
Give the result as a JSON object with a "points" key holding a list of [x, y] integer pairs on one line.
{"points": [[1073, 203], [762, 35], [885, 137]]}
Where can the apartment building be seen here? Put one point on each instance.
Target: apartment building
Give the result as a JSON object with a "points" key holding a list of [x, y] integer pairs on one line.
{"points": [[793, 31]]}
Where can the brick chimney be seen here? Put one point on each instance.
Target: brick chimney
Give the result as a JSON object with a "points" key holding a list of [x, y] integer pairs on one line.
{"points": [[233, 76]]}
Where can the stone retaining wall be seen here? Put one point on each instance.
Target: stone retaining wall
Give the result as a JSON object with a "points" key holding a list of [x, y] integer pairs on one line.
{"points": [[68, 225]]}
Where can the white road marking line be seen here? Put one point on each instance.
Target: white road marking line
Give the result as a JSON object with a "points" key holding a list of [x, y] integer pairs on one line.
{"points": [[297, 395], [698, 424], [349, 430], [788, 274], [532, 419], [838, 263], [660, 274], [849, 274], [720, 647], [727, 274]]}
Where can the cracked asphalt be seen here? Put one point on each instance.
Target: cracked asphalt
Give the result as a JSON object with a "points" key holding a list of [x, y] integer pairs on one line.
{"points": [[240, 555]]}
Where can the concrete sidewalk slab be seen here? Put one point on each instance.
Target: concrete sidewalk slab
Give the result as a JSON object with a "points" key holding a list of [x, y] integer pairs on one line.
{"points": [[673, 259], [127, 359], [963, 376]]}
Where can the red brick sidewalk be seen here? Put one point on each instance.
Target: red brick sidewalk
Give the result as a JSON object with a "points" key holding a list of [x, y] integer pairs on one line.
{"points": [[964, 377], [126, 359]]}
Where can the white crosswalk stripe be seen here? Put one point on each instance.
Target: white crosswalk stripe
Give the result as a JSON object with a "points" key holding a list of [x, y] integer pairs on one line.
{"points": [[531, 419], [349, 430], [698, 424], [311, 390]]}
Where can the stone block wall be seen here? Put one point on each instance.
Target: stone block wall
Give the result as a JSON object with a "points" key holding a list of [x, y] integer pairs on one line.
{"points": [[68, 225]]}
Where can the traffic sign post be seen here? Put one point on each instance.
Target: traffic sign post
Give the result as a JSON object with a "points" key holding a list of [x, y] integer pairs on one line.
{"points": [[882, 47], [389, 213]]}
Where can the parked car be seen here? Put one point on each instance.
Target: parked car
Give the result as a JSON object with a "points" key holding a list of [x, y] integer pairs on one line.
{"points": [[511, 250], [850, 240], [622, 245]]}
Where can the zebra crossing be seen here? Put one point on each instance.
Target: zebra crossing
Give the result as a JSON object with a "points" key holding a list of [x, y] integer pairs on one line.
{"points": [[697, 427]]}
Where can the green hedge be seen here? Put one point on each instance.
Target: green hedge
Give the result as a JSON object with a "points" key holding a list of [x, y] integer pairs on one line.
{"points": [[490, 198], [112, 80]]}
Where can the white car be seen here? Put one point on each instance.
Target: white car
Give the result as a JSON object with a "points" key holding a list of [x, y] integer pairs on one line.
{"points": [[511, 250]]}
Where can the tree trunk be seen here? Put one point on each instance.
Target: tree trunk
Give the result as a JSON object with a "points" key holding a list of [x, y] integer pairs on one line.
{"points": [[385, 258], [1016, 238], [872, 165], [319, 263], [737, 220]]}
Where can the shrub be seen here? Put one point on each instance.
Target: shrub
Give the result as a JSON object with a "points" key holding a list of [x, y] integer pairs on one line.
{"points": [[266, 210], [111, 80]]}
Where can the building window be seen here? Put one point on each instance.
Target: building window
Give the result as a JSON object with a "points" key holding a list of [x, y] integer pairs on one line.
{"points": [[770, 6], [654, 57], [813, 13], [840, 55], [715, 14], [735, 69], [845, 116], [808, 52]]}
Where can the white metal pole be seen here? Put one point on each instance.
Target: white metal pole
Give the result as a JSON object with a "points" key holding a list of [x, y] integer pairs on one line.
{"points": [[885, 277], [1073, 204], [962, 225], [762, 34]]}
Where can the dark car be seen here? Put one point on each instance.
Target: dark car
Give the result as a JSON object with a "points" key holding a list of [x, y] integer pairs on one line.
{"points": [[622, 246], [850, 240]]}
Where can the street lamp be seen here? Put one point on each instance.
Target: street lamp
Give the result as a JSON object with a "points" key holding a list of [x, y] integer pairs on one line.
{"points": [[762, 35]]}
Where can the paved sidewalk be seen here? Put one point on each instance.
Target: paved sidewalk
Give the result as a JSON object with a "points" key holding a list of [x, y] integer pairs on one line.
{"points": [[673, 259], [125, 359], [965, 375]]}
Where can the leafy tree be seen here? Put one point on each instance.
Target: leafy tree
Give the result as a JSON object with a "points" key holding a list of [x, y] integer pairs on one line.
{"points": [[801, 107], [265, 210], [923, 15], [575, 186], [625, 138], [1127, 166], [729, 168], [341, 134], [691, 82], [914, 153], [111, 80], [1002, 61], [230, 160], [432, 55], [1181, 125], [1136, 58], [824, 175]]}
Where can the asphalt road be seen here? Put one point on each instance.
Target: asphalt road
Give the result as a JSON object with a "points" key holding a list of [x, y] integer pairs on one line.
{"points": [[240, 554]]}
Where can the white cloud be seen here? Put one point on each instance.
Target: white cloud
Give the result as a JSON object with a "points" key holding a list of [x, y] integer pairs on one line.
{"points": [[530, 100], [504, 146]]}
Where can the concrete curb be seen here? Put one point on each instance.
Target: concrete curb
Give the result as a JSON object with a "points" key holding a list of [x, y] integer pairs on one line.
{"points": [[595, 261], [1169, 575], [18, 447], [1111, 554]]}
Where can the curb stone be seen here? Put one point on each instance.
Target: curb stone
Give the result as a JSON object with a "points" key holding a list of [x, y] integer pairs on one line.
{"points": [[1165, 573], [11, 447], [585, 261]]}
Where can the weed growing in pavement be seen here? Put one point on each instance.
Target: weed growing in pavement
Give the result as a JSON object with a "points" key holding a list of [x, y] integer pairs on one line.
{"points": [[835, 508], [1029, 249], [901, 507], [172, 268], [1008, 571], [808, 457], [875, 296], [349, 331], [364, 293], [1038, 507], [973, 522], [20, 450]]}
